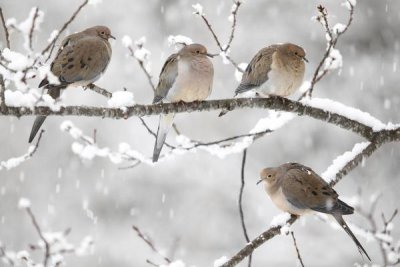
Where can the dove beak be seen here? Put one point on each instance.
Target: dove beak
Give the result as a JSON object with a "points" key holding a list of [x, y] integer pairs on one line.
{"points": [[110, 36], [259, 181], [305, 59], [211, 55]]}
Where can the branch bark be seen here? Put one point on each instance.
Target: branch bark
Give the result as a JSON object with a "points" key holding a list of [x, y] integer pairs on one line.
{"points": [[3, 22], [273, 102], [242, 180]]}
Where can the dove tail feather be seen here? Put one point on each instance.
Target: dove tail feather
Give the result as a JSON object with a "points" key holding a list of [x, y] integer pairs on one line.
{"points": [[343, 208], [164, 126], [44, 82], [36, 126], [243, 87], [223, 112], [344, 225]]}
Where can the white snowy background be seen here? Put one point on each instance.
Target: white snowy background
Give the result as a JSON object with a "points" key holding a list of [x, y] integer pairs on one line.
{"points": [[188, 203]]}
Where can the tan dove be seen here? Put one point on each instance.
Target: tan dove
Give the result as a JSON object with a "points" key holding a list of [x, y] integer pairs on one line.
{"points": [[81, 60], [186, 76], [297, 189], [276, 69]]}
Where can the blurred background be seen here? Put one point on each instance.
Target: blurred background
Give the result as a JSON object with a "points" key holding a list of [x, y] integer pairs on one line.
{"points": [[188, 204]]}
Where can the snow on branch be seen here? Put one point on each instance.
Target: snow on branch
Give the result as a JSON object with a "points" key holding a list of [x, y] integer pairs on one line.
{"points": [[332, 58], [390, 132], [379, 231], [87, 149], [63, 28], [142, 56], [54, 245], [15, 162], [224, 49]]}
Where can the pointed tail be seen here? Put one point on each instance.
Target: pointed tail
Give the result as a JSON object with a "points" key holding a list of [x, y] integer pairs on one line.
{"points": [[164, 126], [344, 225], [36, 126], [223, 112]]}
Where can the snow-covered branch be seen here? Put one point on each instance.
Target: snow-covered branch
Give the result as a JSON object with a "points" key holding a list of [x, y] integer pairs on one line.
{"points": [[383, 235], [53, 244], [223, 48], [366, 125], [16, 161], [332, 58], [63, 28]]}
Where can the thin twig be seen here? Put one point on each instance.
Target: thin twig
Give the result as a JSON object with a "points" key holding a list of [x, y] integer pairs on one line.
{"points": [[297, 249], [234, 19], [39, 231], [3, 22], [141, 64], [66, 24], [153, 133], [150, 80], [149, 243], [35, 16], [222, 49], [255, 135], [242, 183], [37, 144], [4, 255], [3, 106], [152, 263], [318, 74], [99, 90], [212, 32]]}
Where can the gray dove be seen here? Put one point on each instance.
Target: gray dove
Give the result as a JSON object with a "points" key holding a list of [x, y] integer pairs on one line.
{"points": [[186, 76], [81, 60], [276, 69], [297, 189]]}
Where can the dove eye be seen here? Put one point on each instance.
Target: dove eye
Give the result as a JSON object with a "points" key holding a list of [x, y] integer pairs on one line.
{"points": [[198, 52], [269, 175], [102, 32]]}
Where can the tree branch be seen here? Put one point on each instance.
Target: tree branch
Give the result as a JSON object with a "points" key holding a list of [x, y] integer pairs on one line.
{"points": [[221, 48], [66, 24], [35, 16], [149, 243], [5, 28], [297, 249], [246, 236], [273, 102], [323, 18], [40, 233], [3, 106], [99, 90]]}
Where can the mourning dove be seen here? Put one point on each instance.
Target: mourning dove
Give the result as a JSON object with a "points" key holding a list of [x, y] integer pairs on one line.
{"points": [[276, 69], [186, 76], [297, 189], [81, 60]]}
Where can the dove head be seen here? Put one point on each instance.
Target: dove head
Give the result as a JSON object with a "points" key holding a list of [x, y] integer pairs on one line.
{"points": [[293, 51], [193, 50], [269, 176], [101, 31]]}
